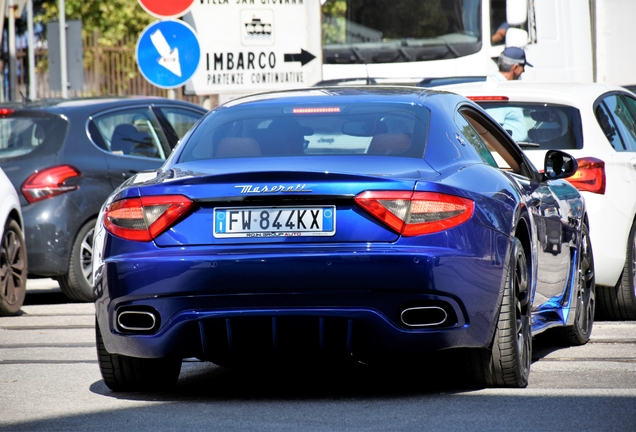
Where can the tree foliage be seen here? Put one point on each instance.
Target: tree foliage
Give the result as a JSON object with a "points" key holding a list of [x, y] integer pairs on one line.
{"points": [[113, 19], [333, 24]]}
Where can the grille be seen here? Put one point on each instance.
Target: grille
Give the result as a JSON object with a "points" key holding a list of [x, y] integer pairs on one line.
{"points": [[242, 339]]}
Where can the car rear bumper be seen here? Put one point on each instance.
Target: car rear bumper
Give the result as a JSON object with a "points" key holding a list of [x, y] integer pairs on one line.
{"points": [[609, 240], [49, 235], [344, 300]]}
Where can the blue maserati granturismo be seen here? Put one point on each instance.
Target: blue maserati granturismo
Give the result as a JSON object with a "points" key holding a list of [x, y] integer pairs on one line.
{"points": [[354, 224]]}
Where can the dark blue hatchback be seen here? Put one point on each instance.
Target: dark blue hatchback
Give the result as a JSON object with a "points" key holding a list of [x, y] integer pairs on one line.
{"points": [[66, 156], [364, 224]]}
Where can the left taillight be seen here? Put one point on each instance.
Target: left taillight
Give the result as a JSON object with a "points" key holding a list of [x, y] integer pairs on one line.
{"points": [[590, 176], [145, 218], [49, 182], [416, 213]]}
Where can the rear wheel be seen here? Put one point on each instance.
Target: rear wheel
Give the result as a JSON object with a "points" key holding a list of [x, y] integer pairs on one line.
{"points": [[13, 269], [77, 284], [507, 363], [122, 373], [619, 302], [579, 333]]}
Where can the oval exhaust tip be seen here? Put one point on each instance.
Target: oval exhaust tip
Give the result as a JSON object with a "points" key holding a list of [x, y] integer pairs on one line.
{"points": [[423, 316], [136, 320]]}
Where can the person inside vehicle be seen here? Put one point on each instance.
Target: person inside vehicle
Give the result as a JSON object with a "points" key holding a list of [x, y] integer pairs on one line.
{"points": [[498, 22], [511, 63], [499, 37]]}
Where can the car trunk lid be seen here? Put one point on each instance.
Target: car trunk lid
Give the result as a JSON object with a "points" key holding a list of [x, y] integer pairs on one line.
{"points": [[313, 203]]}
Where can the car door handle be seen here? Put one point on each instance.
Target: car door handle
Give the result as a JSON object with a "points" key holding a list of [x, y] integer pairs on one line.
{"points": [[633, 162]]}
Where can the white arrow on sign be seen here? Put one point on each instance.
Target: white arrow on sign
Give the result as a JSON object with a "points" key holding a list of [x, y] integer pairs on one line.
{"points": [[169, 57]]}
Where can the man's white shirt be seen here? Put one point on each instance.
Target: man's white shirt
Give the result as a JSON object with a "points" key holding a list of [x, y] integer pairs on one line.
{"points": [[511, 119]]}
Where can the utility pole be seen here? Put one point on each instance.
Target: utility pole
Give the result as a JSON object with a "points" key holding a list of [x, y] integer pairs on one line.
{"points": [[13, 60], [63, 65], [3, 9], [15, 8], [31, 51]]}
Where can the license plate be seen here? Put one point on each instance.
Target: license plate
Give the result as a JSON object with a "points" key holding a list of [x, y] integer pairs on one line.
{"points": [[257, 222]]}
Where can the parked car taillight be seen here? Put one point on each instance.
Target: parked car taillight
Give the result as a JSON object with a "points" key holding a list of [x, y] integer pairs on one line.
{"points": [[49, 183], [143, 219], [590, 176], [416, 213]]}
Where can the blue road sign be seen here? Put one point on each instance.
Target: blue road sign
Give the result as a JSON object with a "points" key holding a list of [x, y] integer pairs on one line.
{"points": [[168, 53]]}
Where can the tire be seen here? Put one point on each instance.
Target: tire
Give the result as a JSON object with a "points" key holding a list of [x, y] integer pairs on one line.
{"points": [[124, 374], [507, 362], [77, 284], [619, 302], [13, 269], [579, 333]]}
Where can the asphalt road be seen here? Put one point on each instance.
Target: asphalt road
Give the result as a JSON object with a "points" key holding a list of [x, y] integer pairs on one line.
{"points": [[50, 380]]}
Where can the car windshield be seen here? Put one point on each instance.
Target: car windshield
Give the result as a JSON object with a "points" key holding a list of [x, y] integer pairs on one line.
{"points": [[360, 129], [543, 126], [21, 134], [390, 31]]}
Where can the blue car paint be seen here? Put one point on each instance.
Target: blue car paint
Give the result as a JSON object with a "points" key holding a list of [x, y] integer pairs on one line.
{"points": [[213, 278], [364, 283]]}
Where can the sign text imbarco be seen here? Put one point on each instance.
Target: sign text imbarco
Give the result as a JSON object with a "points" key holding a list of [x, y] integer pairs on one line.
{"points": [[256, 45]]}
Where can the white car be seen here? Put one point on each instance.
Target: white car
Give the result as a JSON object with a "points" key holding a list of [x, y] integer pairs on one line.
{"points": [[596, 123], [13, 258]]}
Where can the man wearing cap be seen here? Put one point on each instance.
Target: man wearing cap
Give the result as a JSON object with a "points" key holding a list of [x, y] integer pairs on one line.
{"points": [[512, 62]]}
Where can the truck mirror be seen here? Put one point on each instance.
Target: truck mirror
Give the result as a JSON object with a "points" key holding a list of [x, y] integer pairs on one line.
{"points": [[516, 37], [516, 12]]}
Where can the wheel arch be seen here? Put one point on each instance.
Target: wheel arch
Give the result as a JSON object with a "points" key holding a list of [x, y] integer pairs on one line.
{"points": [[16, 216], [524, 232]]}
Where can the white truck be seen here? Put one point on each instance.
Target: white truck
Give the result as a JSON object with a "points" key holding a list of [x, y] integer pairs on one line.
{"points": [[565, 40]]}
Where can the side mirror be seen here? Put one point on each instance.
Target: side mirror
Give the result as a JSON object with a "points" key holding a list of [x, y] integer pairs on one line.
{"points": [[559, 165], [516, 12], [516, 37]]}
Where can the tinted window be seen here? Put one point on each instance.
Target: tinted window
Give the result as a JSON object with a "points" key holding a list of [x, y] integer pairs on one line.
{"points": [[475, 140], [181, 120], [550, 126], [606, 122], [379, 130], [391, 31], [130, 132], [22, 134], [621, 109]]}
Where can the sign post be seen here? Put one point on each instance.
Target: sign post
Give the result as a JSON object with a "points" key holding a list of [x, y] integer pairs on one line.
{"points": [[168, 53], [158, 58]]}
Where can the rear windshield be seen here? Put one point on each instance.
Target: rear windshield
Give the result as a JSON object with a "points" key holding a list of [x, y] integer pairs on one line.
{"points": [[542, 126], [372, 129], [22, 134]]}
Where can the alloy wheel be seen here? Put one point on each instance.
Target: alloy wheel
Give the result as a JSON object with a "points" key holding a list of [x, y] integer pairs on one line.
{"points": [[11, 268], [86, 254]]}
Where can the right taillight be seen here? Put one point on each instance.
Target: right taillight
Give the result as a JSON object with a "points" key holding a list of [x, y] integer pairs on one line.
{"points": [[416, 213], [590, 176], [49, 182]]}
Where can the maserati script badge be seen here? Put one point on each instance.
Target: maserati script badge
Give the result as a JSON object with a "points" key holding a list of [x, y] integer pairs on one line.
{"points": [[251, 189]]}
